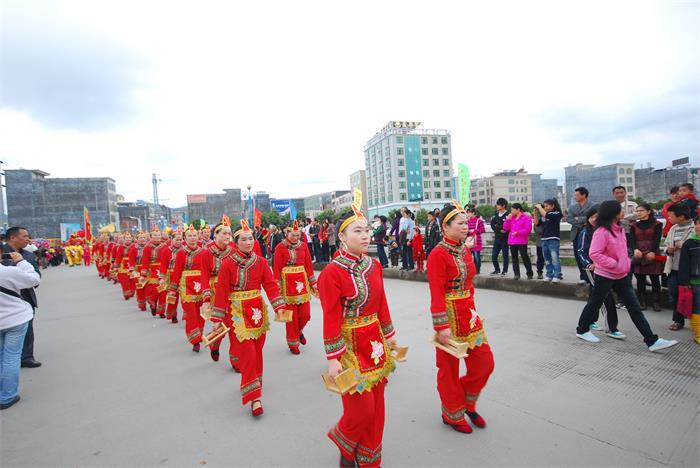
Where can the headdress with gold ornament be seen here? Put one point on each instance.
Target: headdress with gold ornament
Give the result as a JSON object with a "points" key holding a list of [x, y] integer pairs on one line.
{"points": [[294, 227], [458, 209], [357, 211], [225, 222], [245, 227], [155, 228], [191, 228]]}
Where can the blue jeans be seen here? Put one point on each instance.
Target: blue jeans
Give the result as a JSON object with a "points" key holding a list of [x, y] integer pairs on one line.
{"points": [[550, 249], [381, 253], [11, 342], [477, 260]]}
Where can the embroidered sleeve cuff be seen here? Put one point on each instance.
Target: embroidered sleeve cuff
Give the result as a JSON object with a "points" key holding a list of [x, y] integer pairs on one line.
{"points": [[172, 288], [335, 347], [312, 280], [440, 321], [206, 295], [277, 303], [388, 330], [217, 314]]}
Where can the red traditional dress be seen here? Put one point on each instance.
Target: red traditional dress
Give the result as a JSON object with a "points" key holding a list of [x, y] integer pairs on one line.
{"points": [[124, 272], [239, 298], [150, 270], [107, 261], [450, 272], [167, 263], [98, 251], [113, 265], [356, 327], [295, 273], [186, 278], [213, 258], [135, 257]]}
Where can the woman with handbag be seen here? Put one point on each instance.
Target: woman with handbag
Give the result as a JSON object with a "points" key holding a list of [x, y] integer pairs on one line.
{"points": [[645, 239]]}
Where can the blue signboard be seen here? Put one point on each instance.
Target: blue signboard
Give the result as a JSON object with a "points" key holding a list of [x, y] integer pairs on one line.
{"points": [[414, 176], [281, 206]]}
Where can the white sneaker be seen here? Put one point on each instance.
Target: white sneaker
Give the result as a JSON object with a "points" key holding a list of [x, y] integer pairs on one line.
{"points": [[590, 337], [555, 280], [617, 335], [595, 326], [662, 344], [546, 279], [581, 282]]}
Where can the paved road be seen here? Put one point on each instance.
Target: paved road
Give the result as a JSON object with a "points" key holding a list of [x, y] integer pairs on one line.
{"points": [[121, 388]]}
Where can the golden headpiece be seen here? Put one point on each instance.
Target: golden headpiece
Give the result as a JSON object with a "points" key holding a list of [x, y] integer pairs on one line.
{"points": [[458, 209], [245, 227], [357, 211], [225, 222]]}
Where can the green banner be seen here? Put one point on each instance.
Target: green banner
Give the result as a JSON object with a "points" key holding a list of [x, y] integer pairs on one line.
{"points": [[465, 184]]}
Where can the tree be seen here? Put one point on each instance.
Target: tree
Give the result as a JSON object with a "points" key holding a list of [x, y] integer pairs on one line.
{"points": [[273, 217], [486, 211], [329, 215], [393, 214], [422, 217]]}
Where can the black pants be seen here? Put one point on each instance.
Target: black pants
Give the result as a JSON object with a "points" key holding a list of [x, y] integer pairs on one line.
{"points": [[540, 260], [655, 286], [28, 347], [310, 245], [522, 250], [609, 304], [500, 245], [317, 251], [407, 257], [623, 287], [325, 251]]}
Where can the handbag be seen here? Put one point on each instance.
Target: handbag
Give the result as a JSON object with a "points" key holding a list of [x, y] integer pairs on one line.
{"points": [[684, 305]]}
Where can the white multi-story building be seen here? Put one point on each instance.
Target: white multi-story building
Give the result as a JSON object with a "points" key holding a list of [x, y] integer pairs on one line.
{"points": [[514, 186], [408, 166]]}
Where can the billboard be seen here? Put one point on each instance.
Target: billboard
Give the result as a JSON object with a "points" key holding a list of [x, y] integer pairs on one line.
{"points": [[191, 199], [284, 207], [69, 228], [414, 176]]}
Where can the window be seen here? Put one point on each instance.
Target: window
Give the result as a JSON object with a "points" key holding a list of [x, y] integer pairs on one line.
{"points": [[436, 183], [426, 196], [438, 195], [511, 189], [445, 151], [446, 173], [445, 162], [426, 162], [446, 183], [424, 140], [435, 151], [629, 180], [630, 189], [481, 192], [426, 184], [402, 184], [436, 173], [435, 140], [399, 140], [403, 196], [629, 171], [622, 170], [387, 152], [424, 151], [399, 162], [399, 151], [402, 174], [436, 161], [448, 194], [444, 140], [426, 173], [391, 198], [511, 182]]}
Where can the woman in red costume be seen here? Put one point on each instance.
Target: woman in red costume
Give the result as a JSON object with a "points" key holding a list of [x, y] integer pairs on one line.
{"points": [[186, 279], [124, 267], [295, 274], [238, 296], [135, 256], [450, 272], [150, 272], [167, 263], [358, 334]]}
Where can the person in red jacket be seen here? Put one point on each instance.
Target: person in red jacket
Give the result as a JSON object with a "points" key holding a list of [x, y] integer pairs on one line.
{"points": [[107, 260], [238, 297], [98, 251], [418, 250], [204, 235], [450, 272], [358, 334], [150, 273], [186, 281], [294, 273], [167, 263], [124, 267], [135, 257], [675, 198]]}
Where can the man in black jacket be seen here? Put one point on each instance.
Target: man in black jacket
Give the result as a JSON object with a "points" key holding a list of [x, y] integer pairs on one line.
{"points": [[500, 238], [432, 234], [17, 240]]}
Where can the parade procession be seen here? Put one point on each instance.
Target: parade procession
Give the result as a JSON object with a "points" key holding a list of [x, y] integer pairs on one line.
{"points": [[227, 289]]}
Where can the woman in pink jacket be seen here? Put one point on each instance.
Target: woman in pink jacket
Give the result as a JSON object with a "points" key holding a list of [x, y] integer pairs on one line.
{"points": [[611, 268], [519, 226]]}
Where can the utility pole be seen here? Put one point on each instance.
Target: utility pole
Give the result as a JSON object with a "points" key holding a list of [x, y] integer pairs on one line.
{"points": [[156, 203]]}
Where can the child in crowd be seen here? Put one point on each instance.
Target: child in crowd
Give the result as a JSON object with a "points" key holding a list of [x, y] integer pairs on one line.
{"points": [[477, 227], [394, 252], [418, 251], [689, 275]]}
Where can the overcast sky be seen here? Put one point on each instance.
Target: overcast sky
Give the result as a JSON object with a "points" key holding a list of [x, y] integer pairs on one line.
{"points": [[284, 95]]}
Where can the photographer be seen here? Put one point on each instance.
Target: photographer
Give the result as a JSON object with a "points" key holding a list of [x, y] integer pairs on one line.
{"points": [[15, 315]]}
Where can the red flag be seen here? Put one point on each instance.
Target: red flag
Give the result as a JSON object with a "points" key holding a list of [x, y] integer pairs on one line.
{"points": [[88, 225], [257, 218]]}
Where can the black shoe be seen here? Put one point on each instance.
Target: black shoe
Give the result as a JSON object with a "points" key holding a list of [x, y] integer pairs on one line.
{"points": [[174, 320], [31, 363], [504, 273], [494, 273], [195, 348], [345, 462], [530, 276], [516, 277], [7, 405], [539, 276]]}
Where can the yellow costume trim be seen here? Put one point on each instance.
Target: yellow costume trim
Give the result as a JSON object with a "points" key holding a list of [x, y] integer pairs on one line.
{"points": [[349, 359], [242, 331], [299, 299]]}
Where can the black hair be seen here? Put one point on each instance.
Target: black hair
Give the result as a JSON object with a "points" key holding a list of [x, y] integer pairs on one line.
{"points": [[697, 220], [607, 214], [674, 189], [382, 218], [216, 228], [449, 208], [234, 230], [14, 231], [679, 209], [342, 219], [582, 190], [502, 202], [472, 209], [589, 214], [517, 206], [689, 186], [647, 207], [618, 187], [554, 202]]}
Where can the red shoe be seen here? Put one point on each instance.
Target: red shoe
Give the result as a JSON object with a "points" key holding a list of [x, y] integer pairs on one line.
{"points": [[256, 411], [235, 369], [214, 355], [195, 348], [294, 350], [463, 428], [477, 420], [302, 339], [174, 320]]}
